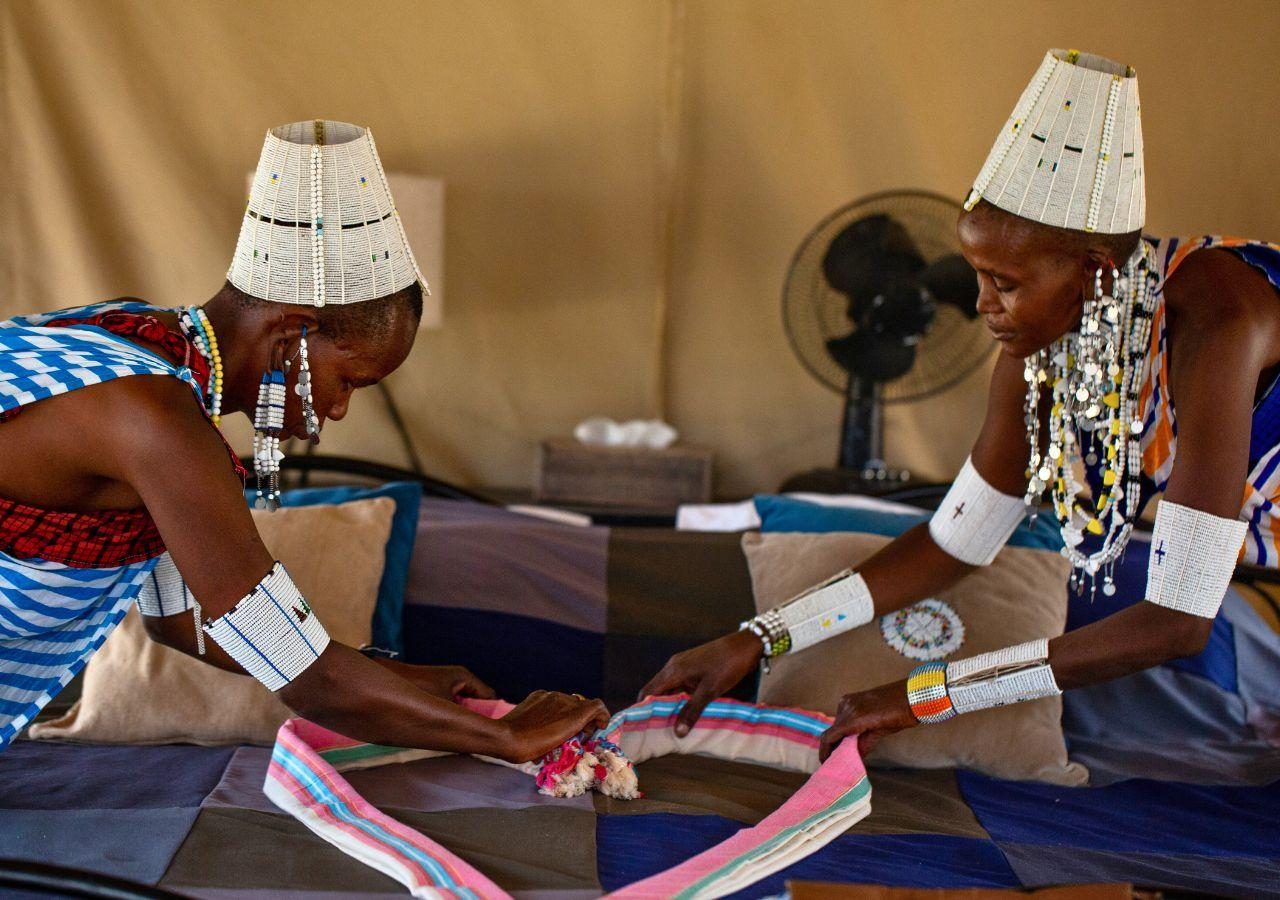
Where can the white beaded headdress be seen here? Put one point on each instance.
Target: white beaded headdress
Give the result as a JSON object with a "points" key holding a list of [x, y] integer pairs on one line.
{"points": [[1071, 153], [320, 226]]}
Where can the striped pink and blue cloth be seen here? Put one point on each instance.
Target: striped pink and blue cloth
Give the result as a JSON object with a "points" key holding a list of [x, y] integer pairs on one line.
{"points": [[304, 780]]}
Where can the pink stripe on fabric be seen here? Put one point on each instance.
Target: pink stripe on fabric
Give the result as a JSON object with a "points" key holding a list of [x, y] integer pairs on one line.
{"points": [[319, 738], [318, 808], [838, 775], [458, 869], [761, 728]]}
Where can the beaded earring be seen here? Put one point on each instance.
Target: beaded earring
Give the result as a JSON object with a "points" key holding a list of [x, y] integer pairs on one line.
{"points": [[303, 390], [268, 422], [1094, 377]]}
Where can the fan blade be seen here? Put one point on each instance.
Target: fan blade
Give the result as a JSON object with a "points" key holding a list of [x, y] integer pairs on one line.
{"points": [[874, 357], [866, 257], [903, 311], [951, 280]]}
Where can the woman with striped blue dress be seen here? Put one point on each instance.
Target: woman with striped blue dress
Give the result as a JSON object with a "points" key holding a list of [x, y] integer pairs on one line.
{"points": [[116, 486]]}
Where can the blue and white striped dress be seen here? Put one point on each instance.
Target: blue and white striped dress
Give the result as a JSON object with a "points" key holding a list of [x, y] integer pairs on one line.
{"points": [[54, 616]]}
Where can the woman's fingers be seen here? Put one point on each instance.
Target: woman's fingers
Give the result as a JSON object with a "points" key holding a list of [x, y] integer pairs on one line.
{"points": [[693, 707], [867, 741], [599, 716], [468, 685], [665, 682], [831, 739]]}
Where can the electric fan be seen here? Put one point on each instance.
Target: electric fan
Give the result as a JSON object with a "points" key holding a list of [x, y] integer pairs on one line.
{"points": [[880, 306]]}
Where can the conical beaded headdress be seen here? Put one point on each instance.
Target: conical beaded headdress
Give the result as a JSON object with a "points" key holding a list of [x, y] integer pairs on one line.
{"points": [[320, 225], [1071, 153]]}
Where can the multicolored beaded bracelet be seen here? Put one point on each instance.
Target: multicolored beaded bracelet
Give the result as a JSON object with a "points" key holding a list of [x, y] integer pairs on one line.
{"points": [[927, 694]]}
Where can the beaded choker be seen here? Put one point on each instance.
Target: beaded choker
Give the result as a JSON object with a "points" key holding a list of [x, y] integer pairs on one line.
{"points": [[1094, 377]]}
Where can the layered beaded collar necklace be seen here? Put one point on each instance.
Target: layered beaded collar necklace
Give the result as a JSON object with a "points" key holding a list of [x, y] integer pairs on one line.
{"points": [[1094, 377], [198, 330]]}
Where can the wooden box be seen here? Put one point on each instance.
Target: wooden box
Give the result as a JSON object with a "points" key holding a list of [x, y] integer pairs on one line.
{"points": [[576, 474]]}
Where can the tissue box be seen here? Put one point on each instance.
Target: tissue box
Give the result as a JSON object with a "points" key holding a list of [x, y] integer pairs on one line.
{"points": [[576, 474]]}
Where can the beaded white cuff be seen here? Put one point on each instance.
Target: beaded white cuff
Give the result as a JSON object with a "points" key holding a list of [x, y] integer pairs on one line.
{"points": [[1001, 677], [1193, 556], [272, 632], [827, 609], [975, 520], [164, 593]]}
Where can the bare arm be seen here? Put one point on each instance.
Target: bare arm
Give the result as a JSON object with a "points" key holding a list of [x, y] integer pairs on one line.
{"points": [[1220, 342], [906, 570], [1218, 350], [169, 454]]}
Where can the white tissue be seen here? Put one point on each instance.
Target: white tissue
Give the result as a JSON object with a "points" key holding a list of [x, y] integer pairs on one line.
{"points": [[599, 431]]}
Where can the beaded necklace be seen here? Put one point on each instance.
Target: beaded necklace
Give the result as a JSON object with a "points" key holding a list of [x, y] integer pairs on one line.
{"points": [[1094, 377], [197, 327]]}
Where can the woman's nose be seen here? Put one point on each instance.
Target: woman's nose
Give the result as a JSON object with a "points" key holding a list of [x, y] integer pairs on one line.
{"points": [[988, 302], [338, 411]]}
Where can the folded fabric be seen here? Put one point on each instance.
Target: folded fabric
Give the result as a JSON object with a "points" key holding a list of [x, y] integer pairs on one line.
{"points": [[303, 780], [388, 614], [787, 514]]}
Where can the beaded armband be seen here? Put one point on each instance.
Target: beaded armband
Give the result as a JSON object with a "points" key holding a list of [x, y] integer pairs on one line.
{"points": [[1002, 677], [1193, 556], [824, 610], [927, 694], [271, 632], [975, 520], [940, 691], [772, 632]]}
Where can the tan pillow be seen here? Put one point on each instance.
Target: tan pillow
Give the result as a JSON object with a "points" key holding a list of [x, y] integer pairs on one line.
{"points": [[1020, 597], [137, 691]]}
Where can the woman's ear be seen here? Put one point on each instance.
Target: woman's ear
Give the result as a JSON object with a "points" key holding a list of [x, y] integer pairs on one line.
{"points": [[287, 330], [1094, 261]]}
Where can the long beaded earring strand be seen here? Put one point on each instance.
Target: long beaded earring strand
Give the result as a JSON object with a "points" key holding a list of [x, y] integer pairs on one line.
{"points": [[268, 422], [303, 389]]}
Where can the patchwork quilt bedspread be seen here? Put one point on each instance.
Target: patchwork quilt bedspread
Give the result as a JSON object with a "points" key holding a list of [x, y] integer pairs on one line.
{"points": [[196, 821], [1184, 796]]}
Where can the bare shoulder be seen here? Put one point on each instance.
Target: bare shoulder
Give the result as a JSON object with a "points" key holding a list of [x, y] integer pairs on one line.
{"points": [[1216, 288], [154, 417]]}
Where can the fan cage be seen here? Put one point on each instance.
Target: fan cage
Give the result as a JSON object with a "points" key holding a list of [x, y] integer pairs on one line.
{"points": [[813, 312]]}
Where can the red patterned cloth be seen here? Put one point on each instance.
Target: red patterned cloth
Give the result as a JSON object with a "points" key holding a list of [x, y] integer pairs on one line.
{"points": [[97, 540], [107, 538]]}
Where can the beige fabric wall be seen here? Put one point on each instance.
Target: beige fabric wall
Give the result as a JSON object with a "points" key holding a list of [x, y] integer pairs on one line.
{"points": [[626, 181]]}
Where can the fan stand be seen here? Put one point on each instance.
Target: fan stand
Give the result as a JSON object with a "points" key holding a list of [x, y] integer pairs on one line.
{"points": [[861, 470]]}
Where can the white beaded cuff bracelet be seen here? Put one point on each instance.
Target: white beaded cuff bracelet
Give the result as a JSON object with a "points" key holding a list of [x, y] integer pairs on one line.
{"points": [[1002, 677], [975, 520], [1193, 556], [272, 632], [164, 593], [827, 609]]}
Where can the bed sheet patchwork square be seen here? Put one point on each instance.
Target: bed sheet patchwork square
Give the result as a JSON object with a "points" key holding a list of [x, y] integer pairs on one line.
{"points": [[194, 820]]}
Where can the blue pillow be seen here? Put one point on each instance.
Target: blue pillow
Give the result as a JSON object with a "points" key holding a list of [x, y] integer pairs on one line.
{"points": [[388, 614], [788, 514]]}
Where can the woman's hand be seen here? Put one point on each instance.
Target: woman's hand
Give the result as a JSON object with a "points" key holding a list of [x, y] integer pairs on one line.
{"points": [[870, 715], [544, 721], [445, 682], [705, 673]]}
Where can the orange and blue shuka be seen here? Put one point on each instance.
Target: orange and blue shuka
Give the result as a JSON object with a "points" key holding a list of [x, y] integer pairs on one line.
{"points": [[1261, 498], [67, 579]]}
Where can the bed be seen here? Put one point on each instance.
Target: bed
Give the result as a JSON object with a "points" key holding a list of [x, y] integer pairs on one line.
{"points": [[1184, 797]]}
